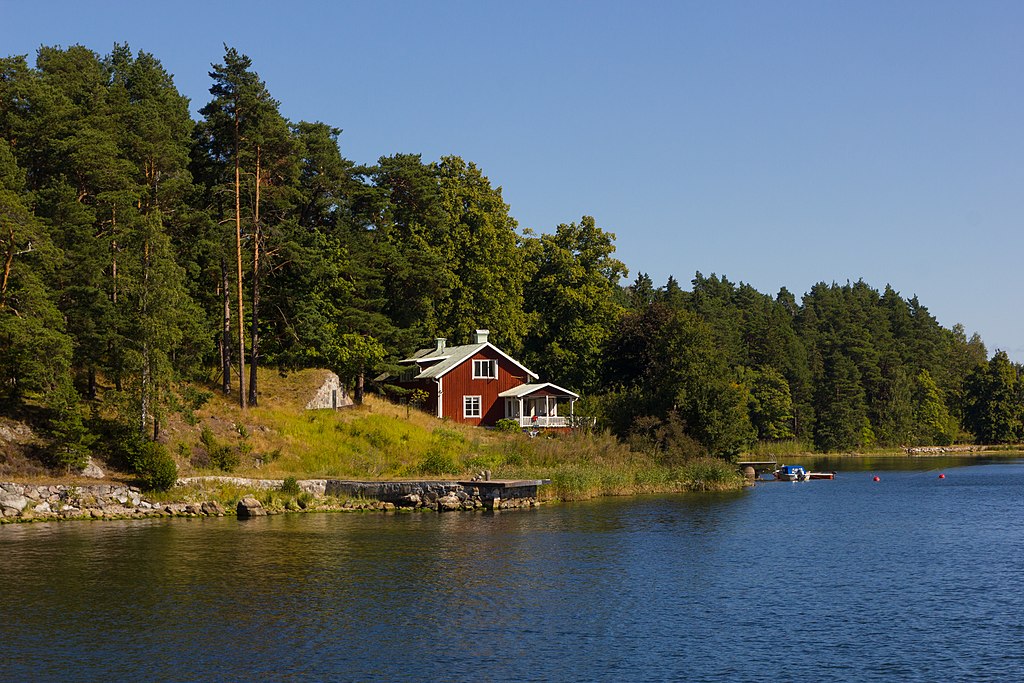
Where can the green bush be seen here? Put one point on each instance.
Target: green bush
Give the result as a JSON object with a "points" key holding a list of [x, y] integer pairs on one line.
{"points": [[507, 424], [290, 486], [154, 467]]}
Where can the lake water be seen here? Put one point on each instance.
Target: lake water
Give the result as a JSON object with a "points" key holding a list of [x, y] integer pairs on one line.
{"points": [[913, 578]]}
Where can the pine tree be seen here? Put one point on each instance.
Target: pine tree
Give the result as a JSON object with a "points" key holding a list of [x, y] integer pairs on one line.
{"points": [[244, 134]]}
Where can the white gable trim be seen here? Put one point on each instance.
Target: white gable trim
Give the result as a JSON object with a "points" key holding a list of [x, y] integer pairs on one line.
{"points": [[504, 355]]}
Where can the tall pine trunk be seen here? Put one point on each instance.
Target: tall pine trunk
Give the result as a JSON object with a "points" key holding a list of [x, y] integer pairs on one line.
{"points": [[8, 262], [146, 388], [225, 334], [238, 259], [113, 252], [254, 335]]}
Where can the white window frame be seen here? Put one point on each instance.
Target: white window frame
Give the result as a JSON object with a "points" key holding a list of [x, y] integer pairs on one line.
{"points": [[472, 407], [481, 366]]}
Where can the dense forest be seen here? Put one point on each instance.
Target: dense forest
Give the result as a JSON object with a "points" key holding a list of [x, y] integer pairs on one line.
{"points": [[142, 248]]}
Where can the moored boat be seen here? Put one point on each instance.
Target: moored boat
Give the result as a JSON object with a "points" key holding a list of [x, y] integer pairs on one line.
{"points": [[791, 473]]}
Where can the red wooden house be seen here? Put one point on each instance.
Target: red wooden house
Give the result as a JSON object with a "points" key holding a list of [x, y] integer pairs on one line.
{"points": [[479, 384]]}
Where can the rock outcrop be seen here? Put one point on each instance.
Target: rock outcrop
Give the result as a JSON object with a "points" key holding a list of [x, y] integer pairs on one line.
{"points": [[250, 507]]}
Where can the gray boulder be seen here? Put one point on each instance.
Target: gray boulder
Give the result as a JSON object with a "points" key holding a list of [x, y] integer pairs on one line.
{"points": [[11, 504], [213, 509], [409, 500], [93, 471], [250, 507], [449, 502]]}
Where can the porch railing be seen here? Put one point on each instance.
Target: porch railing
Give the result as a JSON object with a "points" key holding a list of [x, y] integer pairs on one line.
{"points": [[543, 421], [573, 421]]}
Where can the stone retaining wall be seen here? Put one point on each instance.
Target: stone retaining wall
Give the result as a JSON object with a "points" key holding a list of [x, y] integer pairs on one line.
{"points": [[395, 492], [441, 495], [315, 486]]}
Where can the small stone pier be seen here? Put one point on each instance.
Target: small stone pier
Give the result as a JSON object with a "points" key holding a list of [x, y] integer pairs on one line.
{"points": [[752, 469], [499, 493], [490, 494]]}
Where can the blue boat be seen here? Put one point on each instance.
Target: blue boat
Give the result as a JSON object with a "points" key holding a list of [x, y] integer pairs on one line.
{"points": [[791, 473]]}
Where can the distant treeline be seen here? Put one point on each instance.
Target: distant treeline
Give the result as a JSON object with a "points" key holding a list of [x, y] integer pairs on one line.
{"points": [[141, 247]]}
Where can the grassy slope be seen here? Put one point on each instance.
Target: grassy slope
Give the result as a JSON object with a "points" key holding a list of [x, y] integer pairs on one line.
{"points": [[380, 440]]}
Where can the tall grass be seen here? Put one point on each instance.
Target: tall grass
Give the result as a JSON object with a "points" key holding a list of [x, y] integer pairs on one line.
{"points": [[708, 474], [587, 466]]}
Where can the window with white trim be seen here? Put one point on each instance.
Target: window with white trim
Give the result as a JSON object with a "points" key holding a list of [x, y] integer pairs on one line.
{"points": [[470, 406], [485, 369]]}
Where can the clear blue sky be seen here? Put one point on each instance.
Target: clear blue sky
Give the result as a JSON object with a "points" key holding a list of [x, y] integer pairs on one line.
{"points": [[777, 143]]}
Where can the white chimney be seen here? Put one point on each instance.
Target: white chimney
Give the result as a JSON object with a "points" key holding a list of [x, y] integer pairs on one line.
{"points": [[481, 336], [439, 343]]}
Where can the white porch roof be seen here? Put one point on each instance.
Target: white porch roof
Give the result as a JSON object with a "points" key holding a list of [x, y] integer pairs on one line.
{"points": [[527, 389]]}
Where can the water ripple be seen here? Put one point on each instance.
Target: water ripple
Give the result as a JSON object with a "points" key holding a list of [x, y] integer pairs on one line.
{"points": [[911, 580]]}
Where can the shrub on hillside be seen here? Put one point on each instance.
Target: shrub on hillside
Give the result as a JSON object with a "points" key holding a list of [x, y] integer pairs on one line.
{"points": [[154, 467]]}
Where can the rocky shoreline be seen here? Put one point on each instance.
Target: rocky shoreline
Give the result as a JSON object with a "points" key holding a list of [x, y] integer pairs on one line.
{"points": [[942, 450], [55, 502]]}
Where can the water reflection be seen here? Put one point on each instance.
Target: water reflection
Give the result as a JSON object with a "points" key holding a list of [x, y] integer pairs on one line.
{"points": [[885, 581]]}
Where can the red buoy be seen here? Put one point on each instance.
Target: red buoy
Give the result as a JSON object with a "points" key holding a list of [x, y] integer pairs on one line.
{"points": [[877, 478], [942, 476]]}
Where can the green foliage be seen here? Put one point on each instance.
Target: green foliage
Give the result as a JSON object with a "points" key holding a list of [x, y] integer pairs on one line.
{"points": [[666, 440], [154, 467], [935, 425], [770, 404], [841, 409], [995, 401], [665, 360], [72, 441], [484, 269], [572, 302], [191, 400], [290, 486], [508, 424], [352, 356]]}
